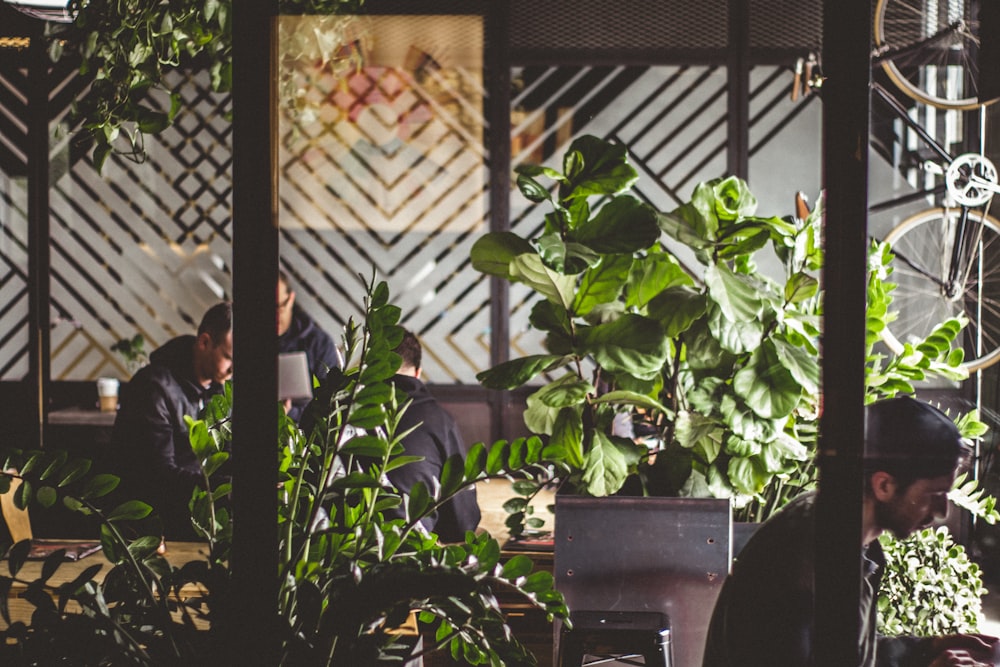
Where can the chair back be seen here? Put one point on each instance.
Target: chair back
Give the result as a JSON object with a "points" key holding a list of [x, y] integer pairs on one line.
{"points": [[17, 520]]}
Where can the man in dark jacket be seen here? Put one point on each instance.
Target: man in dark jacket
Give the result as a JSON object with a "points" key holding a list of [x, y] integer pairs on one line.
{"points": [[150, 438], [297, 332], [765, 612], [436, 438]]}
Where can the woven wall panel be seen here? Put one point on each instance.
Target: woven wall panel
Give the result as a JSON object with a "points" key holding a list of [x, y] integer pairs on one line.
{"points": [[14, 325]]}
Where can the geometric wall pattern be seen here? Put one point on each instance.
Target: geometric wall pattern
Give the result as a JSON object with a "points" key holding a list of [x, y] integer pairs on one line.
{"points": [[384, 168], [673, 120], [142, 248]]}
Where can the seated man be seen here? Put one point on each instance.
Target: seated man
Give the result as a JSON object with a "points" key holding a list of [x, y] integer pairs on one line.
{"points": [[150, 438], [297, 332], [764, 614], [436, 439]]}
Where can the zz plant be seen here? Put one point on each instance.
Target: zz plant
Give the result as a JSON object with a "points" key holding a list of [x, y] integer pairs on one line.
{"points": [[347, 573]]}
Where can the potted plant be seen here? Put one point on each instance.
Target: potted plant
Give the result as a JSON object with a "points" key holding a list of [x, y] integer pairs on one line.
{"points": [[348, 575], [717, 365]]}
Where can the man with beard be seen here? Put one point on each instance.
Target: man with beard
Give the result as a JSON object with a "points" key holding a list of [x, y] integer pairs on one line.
{"points": [[765, 615]]}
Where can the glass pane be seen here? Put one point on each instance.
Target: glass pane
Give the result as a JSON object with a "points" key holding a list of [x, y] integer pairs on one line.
{"points": [[382, 164]]}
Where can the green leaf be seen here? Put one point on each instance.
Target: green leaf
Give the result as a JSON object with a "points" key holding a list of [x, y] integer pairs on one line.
{"points": [[539, 417], [366, 445], [677, 308], [556, 287], [800, 287], [766, 385], [567, 391], [492, 253], [532, 189], [651, 275], [131, 510], [475, 461], [803, 366], [623, 225], [605, 466], [566, 443], [632, 344], [46, 496], [602, 283], [739, 300], [99, 486], [518, 566], [516, 372], [621, 397], [604, 168]]}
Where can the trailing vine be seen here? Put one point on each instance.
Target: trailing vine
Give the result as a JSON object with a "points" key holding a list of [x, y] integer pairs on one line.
{"points": [[127, 46]]}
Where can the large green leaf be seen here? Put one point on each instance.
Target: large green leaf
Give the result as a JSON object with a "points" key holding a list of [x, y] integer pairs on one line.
{"points": [[803, 366], [539, 417], [492, 253], [514, 373], [605, 467], [677, 308], [547, 316], [631, 344], [566, 443], [736, 337], [766, 385], [621, 397], [697, 431], [650, 275], [623, 225], [554, 286], [739, 300], [602, 283], [567, 391], [599, 168]]}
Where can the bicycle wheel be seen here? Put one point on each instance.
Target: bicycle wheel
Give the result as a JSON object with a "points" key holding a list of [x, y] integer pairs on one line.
{"points": [[925, 296], [929, 48]]}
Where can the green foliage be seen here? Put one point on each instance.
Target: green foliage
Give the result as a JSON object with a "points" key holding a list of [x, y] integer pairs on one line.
{"points": [[719, 363], [348, 571], [133, 351], [932, 587], [128, 46]]}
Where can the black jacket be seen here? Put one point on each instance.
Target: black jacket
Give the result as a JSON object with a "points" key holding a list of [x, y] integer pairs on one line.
{"points": [[152, 451], [435, 439], [304, 335]]}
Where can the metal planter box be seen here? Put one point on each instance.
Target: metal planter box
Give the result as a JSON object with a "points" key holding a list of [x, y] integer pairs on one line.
{"points": [[645, 554]]}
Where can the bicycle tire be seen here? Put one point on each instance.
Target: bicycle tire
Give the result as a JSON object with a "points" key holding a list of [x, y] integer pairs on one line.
{"points": [[942, 73], [922, 245]]}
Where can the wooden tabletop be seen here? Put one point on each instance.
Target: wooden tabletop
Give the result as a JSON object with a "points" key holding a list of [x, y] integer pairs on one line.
{"points": [[178, 553]]}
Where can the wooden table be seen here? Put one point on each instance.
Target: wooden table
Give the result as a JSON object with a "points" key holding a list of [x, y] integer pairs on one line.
{"points": [[178, 553]]}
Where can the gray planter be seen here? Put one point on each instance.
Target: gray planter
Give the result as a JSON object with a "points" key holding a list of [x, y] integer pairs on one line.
{"points": [[645, 554]]}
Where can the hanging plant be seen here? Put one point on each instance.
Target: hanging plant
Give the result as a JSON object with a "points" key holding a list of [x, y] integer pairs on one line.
{"points": [[127, 46]]}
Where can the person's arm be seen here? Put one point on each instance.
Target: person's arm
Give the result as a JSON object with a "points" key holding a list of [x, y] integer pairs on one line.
{"points": [[155, 433], [942, 651]]}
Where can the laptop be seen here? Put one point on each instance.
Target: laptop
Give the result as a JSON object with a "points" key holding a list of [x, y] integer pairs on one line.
{"points": [[294, 378]]}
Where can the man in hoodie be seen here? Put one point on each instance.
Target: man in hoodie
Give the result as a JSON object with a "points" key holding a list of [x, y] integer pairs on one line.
{"points": [[150, 438], [436, 438], [297, 332]]}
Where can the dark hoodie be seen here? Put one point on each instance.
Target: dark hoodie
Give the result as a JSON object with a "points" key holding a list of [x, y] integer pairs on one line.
{"points": [[304, 335], [436, 439], [150, 440]]}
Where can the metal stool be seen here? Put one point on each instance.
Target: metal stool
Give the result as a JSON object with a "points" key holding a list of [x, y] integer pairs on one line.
{"points": [[623, 635]]}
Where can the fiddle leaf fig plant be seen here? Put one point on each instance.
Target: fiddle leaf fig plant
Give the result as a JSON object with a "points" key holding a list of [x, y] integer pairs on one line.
{"points": [[715, 364]]}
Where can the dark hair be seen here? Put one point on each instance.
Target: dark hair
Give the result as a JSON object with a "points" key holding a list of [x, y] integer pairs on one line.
{"points": [[217, 321], [910, 440], [409, 349]]}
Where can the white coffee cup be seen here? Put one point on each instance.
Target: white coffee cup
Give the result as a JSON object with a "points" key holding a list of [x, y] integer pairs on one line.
{"points": [[107, 392]]}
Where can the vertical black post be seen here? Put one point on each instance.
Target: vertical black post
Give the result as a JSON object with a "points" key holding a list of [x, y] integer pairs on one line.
{"points": [[847, 26], [738, 85], [498, 112], [38, 231], [251, 627]]}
